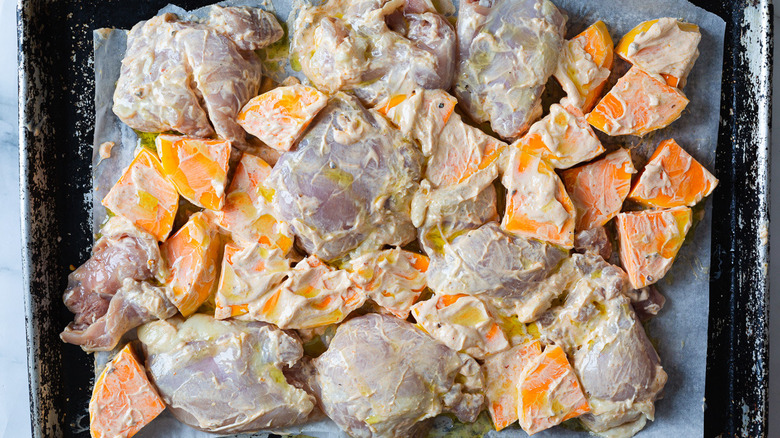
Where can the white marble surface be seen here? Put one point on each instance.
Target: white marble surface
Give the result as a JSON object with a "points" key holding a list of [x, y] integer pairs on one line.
{"points": [[14, 398]]}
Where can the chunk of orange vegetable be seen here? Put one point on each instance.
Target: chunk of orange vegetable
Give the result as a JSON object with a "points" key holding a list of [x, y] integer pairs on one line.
{"points": [[636, 105], [462, 322], [249, 272], [421, 115], [197, 167], [665, 46], [192, 255], [123, 400], [313, 295], [537, 204], [502, 373], [549, 392], [279, 116], [145, 196], [461, 152], [584, 65], [247, 213], [672, 178], [394, 278], [563, 138], [598, 189], [649, 242]]}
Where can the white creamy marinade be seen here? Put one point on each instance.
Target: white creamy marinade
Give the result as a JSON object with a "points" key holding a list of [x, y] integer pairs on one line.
{"points": [[666, 48], [577, 73]]}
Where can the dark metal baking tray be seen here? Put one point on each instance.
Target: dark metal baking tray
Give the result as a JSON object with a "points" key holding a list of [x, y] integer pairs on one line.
{"points": [[56, 90]]}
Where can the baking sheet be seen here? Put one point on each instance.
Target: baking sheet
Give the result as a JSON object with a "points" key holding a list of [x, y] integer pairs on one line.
{"points": [[679, 332]]}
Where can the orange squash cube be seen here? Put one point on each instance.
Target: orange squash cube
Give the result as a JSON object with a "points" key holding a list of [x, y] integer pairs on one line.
{"points": [[549, 392], [665, 46], [145, 196], [537, 204], [563, 138], [584, 66], [192, 254], [421, 115], [247, 213], [123, 400], [249, 272], [197, 167], [394, 278], [649, 242], [636, 105], [598, 189], [279, 116], [672, 178], [502, 373], [462, 322], [313, 295]]}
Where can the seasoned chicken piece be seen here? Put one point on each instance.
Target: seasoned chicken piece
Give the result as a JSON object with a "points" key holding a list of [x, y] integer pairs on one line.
{"points": [[348, 185], [594, 241], [647, 302], [225, 376], [615, 362], [381, 376], [515, 275], [376, 48], [124, 253], [249, 28], [508, 50], [186, 77], [134, 304]]}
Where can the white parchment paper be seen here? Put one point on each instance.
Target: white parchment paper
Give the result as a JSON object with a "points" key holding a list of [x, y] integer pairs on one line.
{"points": [[679, 332]]}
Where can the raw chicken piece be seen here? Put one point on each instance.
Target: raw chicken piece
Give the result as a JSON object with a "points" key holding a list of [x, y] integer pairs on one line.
{"points": [[250, 28], [508, 50], [594, 241], [441, 214], [134, 304], [185, 76], [123, 253], [647, 302], [381, 376], [348, 185], [225, 376], [517, 276], [375, 48], [615, 362]]}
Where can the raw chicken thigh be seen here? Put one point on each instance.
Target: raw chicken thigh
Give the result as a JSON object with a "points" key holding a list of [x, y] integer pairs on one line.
{"points": [[349, 184], [108, 293], [508, 49], [381, 376], [184, 76], [615, 362], [375, 48], [517, 276], [225, 376]]}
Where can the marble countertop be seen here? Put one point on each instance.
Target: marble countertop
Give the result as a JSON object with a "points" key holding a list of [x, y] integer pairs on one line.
{"points": [[14, 397]]}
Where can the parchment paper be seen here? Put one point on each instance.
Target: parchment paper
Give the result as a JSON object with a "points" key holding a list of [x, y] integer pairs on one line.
{"points": [[679, 332]]}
